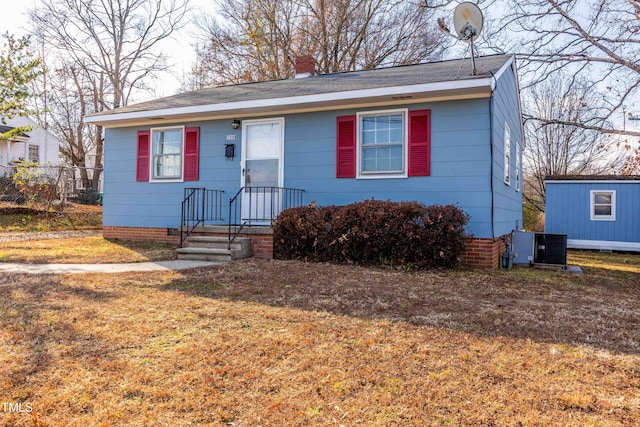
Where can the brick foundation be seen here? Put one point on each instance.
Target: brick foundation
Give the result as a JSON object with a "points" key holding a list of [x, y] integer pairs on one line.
{"points": [[262, 244], [139, 233], [480, 253], [483, 253]]}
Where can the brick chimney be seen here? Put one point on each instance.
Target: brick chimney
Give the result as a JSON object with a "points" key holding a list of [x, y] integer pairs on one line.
{"points": [[305, 66]]}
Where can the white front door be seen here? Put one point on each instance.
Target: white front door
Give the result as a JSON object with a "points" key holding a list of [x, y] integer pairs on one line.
{"points": [[262, 169]]}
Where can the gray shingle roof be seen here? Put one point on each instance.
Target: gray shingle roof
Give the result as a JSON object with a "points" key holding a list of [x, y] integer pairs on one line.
{"points": [[433, 72], [5, 128]]}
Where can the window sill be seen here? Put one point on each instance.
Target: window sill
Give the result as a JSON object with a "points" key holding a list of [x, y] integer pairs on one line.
{"points": [[382, 176], [165, 180]]}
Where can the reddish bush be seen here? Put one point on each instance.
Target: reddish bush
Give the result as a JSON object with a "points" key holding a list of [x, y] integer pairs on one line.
{"points": [[373, 232]]}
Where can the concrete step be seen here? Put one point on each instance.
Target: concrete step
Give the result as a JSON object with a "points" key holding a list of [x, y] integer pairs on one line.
{"points": [[202, 245], [204, 254], [217, 242]]}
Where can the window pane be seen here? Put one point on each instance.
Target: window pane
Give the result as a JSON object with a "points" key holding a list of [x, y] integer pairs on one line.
{"points": [[368, 123], [382, 140], [261, 173], [602, 210], [368, 137], [263, 140], [168, 166], [167, 153], [382, 159], [602, 198]]}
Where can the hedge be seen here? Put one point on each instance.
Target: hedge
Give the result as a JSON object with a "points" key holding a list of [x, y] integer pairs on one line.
{"points": [[373, 232]]}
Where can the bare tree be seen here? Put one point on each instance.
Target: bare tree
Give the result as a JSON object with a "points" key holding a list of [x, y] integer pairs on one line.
{"points": [[118, 38], [72, 92], [102, 51], [597, 42], [555, 146], [255, 40]]}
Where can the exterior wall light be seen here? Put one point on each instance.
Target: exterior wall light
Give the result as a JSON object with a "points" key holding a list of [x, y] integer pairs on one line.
{"points": [[235, 123]]}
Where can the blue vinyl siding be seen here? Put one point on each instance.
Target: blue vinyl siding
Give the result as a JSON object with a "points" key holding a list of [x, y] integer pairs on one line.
{"points": [[507, 201], [568, 211], [461, 155]]}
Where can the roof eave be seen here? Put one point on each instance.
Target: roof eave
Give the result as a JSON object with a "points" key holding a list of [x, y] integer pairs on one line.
{"points": [[394, 95]]}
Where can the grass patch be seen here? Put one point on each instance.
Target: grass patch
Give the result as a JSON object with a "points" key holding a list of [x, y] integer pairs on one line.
{"points": [[614, 261], [289, 343], [84, 250]]}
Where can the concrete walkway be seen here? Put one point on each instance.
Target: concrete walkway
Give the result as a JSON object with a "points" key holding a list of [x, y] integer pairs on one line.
{"points": [[102, 268]]}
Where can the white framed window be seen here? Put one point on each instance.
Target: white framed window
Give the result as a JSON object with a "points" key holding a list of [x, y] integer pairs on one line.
{"points": [[518, 168], [382, 144], [34, 153], [603, 205], [507, 154], [167, 148]]}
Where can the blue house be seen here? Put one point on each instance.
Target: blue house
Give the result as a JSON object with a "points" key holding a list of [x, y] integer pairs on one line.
{"points": [[595, 212], [434, 133]]}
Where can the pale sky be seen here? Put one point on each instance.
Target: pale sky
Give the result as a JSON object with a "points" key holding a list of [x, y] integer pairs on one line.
{"points": [[179, 49]]}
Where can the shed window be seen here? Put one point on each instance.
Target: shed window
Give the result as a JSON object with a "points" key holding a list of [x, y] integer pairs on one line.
{"points": [[603, 205]]}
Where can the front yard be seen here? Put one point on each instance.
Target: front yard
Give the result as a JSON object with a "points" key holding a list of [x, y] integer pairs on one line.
{"points": [[274, 343]]}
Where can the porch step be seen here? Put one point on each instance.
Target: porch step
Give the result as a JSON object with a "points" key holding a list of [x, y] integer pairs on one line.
{"points": [[204, 254], [215, 248]]}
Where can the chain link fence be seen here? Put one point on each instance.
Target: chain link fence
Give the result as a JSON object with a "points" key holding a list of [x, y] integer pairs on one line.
{"points": [[49, 187]]}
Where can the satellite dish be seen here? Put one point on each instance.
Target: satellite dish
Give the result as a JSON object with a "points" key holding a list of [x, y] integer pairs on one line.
{"points": [[467, 21]]}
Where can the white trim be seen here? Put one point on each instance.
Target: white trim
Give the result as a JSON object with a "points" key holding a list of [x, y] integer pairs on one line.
{"points": [[405, 145], [592, 204], [151, 174], [419, 92], [502, 69], [243, 159], [243, 156], [594, 181], [603, 245]]}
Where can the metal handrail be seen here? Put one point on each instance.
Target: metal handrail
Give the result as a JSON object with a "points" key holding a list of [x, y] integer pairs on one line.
{"points": [[199, 205], [265, 203]]}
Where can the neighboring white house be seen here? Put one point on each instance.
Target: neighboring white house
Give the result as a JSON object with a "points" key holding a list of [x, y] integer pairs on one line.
{"points": [[37, 145]]}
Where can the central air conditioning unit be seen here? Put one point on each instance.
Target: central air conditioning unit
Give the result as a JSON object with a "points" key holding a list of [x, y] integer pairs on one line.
{"points": [[539, 248]]}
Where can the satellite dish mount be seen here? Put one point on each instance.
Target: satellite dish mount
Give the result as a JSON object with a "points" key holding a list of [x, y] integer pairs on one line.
{"points": [[468, 21]]}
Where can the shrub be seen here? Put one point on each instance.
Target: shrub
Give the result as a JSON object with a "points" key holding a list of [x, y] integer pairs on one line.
{"points": [[373, 232]]}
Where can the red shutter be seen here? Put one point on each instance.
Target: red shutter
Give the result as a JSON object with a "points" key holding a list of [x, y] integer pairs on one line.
{"points": [[191, 154], [142, 160], [346, 147], [420, 143]]}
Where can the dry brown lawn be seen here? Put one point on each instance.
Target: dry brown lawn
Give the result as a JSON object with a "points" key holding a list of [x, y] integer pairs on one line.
{"points": [[83, 250], [275, 343]]}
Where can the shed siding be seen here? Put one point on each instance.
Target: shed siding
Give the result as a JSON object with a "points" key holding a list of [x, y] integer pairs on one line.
{"points": [[507, 200], [460, 159], [568, 211]]}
